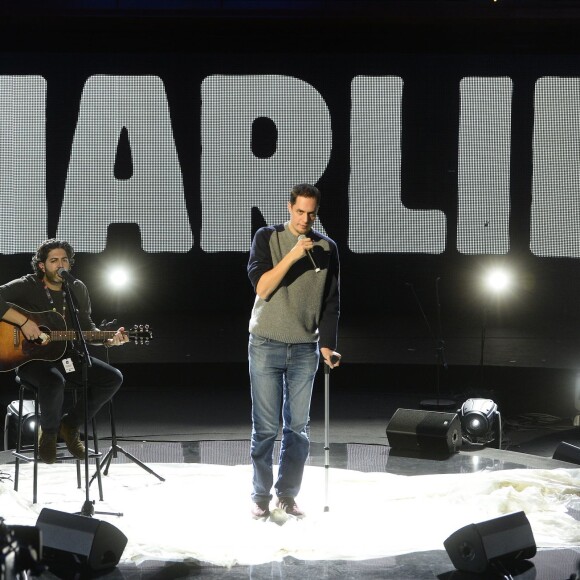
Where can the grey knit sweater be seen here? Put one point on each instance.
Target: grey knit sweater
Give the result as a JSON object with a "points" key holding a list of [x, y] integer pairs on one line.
{"points": [[306, 305]]}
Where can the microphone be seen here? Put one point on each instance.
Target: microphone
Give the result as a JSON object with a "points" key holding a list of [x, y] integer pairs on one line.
{"points": [[66, 275], [316, 268]]}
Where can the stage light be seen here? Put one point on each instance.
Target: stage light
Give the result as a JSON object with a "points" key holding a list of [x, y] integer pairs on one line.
{"points": [[480, 422], [497, 280], [11, 424], [119, 277]]}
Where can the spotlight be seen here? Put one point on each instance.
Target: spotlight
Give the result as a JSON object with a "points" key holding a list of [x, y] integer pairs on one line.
{"points": [[11, 424], [480, 422], [497, 280], [119, 277]]}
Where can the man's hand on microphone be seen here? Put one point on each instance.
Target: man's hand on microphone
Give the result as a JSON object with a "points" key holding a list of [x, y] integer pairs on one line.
{"points": [[331, 357], [303, 245]]}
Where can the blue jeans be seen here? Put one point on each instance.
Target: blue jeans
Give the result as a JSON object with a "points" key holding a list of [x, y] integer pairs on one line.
{"points": [[281, 377]]}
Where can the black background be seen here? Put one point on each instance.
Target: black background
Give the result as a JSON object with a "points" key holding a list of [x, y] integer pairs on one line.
{"points": [[198, 302]]}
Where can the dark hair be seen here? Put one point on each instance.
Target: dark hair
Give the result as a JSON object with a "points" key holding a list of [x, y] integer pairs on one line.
{"points": [[43, 250], [304, 190]]}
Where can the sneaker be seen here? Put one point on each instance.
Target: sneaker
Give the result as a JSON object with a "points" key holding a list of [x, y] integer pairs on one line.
{"points": [[261, 509], [288, 504], [72, 438], [46, 446]]}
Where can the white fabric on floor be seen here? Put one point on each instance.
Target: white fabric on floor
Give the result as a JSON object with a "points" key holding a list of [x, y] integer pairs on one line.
{"points": [[202, 511]]}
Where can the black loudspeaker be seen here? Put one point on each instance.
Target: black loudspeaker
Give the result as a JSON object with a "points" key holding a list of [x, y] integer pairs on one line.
{"points": [[495, 543], [567, 452], [424, 432], [73, 542]]}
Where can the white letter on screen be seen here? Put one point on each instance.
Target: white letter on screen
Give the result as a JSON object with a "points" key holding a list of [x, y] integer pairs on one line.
{"points": [[233, 179], [379, 222], [555, 219], [153, 197], [22, 163], [484, 166]]}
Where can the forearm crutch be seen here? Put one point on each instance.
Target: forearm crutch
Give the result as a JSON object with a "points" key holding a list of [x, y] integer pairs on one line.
{"points": [[326, 433]]}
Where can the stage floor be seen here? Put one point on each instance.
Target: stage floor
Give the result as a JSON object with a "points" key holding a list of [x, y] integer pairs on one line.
{"points": [[380, 502], [206, 427]]}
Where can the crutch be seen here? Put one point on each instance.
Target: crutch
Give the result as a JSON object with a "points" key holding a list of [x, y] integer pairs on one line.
{"points": [[333, 359]]}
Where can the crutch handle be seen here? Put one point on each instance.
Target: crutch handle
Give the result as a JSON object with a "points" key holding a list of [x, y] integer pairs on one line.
{"points": [[333, 359]]}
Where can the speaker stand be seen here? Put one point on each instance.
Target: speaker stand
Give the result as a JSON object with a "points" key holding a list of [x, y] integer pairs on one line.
{"points": [[439, 403]]}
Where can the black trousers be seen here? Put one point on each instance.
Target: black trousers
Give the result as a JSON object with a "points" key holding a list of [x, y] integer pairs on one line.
{"points": [[50, 379]]}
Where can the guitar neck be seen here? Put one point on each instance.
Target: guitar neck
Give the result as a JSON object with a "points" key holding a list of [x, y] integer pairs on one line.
{"points": [[89, 335]]}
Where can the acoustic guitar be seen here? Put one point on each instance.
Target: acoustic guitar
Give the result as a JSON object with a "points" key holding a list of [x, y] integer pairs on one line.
{"points": [[16, 350]]}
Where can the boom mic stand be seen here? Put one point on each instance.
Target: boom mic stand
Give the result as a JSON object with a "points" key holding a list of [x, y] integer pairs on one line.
{"points": [[440, 360], [115, 448], [81, 350]]}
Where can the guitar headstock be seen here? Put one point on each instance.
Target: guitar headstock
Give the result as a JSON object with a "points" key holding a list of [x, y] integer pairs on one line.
{"points": [[140, 334]]}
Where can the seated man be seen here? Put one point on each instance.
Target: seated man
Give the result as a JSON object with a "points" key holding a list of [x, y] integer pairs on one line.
{"points": [[44, 291]]}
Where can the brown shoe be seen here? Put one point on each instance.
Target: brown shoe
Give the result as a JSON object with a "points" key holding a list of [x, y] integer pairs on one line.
{"points": [[288, 504], [261, 509], [72, 438], [46, 446]]}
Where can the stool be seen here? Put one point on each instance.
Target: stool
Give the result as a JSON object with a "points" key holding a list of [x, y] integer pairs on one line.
{"points": [[29, 453]]}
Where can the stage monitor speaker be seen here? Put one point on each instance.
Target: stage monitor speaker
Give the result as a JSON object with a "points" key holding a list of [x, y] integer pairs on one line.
{"points": [[424, 432], [72, 541], [496, 543], [567, 452]]}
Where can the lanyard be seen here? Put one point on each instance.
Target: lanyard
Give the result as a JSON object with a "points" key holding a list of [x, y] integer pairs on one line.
{"points": [[51, 301]]}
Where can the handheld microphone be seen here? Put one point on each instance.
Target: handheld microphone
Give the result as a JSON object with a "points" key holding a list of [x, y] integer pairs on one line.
{"points": [[66, 275], [316, 268]]}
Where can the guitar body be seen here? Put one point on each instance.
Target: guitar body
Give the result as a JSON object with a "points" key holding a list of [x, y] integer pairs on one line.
{"points": [[15, 350]]}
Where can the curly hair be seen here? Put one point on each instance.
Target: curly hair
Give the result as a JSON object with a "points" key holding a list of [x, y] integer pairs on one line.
{"points": [[43, 250]]}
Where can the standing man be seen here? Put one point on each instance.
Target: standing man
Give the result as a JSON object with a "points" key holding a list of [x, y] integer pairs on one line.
{"points": [[295, 273], [41, 292]]}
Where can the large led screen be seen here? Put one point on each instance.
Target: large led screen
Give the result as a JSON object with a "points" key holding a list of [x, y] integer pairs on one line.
{"points": [[432, 167]]}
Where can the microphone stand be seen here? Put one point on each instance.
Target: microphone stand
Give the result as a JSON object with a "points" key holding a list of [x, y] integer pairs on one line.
{"points": [[482, 347], [112, 452], [81, 350], [440, 360]]}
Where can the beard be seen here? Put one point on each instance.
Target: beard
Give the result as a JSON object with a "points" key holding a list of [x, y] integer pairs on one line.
{"points": [[52, 278]]}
